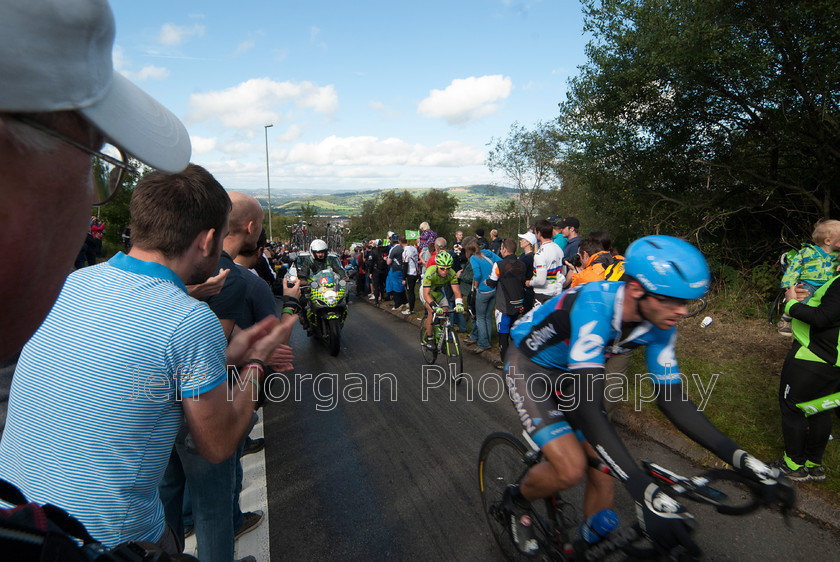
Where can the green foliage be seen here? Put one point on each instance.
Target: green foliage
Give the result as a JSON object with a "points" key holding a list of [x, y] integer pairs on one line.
{"points": [[528, 159], [714, 120], [115, 213], [400, 211]]}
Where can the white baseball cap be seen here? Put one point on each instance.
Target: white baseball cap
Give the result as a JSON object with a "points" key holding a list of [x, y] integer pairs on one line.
{"points": [[529, 236], [55, 55]]}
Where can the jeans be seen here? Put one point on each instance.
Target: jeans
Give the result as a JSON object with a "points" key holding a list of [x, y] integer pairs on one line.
{"points": [[484, 311], [211, 495]]}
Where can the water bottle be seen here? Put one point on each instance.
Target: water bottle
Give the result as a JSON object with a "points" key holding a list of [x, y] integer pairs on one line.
{"points": [[437, 332], [598, 526]]}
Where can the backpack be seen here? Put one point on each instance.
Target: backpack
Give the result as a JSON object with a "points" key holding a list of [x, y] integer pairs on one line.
{"points": [[510, 291], [615, 271], [30, 531]]}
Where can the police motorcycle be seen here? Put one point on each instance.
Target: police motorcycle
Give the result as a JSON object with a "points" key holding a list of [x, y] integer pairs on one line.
{"points": [[324, 300]]}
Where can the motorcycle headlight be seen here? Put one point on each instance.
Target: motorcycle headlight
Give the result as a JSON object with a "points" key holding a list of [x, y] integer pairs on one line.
{"points": [[330, 296]]}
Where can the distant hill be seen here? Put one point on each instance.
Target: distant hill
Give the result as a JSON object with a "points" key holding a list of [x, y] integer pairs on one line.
{"points": [[472, 199]]}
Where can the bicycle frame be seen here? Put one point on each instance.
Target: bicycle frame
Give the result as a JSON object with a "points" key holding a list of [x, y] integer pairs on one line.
{"points": [[557, 522]]}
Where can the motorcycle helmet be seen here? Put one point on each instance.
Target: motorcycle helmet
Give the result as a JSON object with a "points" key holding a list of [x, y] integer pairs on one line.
{"points": [[317, 246], [668, 266]]}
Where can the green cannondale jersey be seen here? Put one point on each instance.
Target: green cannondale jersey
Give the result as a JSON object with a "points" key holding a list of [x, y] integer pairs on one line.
{"points": [[435, 281]]}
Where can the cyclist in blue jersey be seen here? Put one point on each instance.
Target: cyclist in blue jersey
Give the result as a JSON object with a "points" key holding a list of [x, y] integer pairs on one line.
{"points": [[556, 371], [433, 279]]}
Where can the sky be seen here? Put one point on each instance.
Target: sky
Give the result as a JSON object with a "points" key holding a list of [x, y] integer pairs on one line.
{"points": [[361, 95]]}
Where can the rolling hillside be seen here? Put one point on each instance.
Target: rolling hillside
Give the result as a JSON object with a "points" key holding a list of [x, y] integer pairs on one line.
{"points": [[471, 198]]}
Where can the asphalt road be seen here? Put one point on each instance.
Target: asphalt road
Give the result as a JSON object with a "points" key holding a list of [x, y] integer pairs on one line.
{"points": [[351, 477]]}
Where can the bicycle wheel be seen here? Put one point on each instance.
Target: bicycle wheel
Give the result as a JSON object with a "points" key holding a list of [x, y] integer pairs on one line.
{"points": [[429, 353], [454, 359], [504, 460]]}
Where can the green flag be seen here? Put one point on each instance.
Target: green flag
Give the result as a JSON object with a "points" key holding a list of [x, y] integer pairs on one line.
{"points": [[412, 234]]}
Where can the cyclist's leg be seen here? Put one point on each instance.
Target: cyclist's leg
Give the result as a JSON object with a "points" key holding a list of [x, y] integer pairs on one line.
{"points": [[427, 304], [600, 487], [531, 390]]}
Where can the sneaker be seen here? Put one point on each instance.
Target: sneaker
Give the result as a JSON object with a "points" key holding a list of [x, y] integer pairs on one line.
{"points": [[406, 312], [251, 522], [521, 529], [371, 296], [253, 446], [479, 350], [797, 475], [816, 473], [469, 341], [784, 328], [395, 308], [189, 531], [498, 364], [430, 342]]}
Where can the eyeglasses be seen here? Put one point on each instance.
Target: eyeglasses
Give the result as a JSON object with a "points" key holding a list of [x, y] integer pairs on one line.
{"points": [[443, 268], [108, 172], [670, 303]]}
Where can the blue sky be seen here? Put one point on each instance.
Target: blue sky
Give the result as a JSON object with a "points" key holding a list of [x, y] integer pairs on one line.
{"points": [[362, 95]]}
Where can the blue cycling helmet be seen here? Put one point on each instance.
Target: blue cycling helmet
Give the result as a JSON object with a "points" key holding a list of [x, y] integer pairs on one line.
{"points": [[668, 266]]}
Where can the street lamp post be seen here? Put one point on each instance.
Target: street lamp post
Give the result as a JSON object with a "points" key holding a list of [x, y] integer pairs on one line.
{"points": [[267, 180]]}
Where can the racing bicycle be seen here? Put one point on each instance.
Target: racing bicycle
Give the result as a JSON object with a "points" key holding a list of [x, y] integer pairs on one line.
{"points": [[504, 460], [445, 343]]}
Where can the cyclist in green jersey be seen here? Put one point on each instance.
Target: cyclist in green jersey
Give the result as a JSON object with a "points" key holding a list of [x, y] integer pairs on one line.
{"points": [[433, 279]]}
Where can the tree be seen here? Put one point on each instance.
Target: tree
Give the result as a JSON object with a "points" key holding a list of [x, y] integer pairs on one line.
{"points": [[529, 160], [400, 211], [715, 120], [115, 213]]}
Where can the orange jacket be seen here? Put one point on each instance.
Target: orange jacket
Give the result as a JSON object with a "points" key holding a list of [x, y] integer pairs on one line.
{"points": [[594, 268]]}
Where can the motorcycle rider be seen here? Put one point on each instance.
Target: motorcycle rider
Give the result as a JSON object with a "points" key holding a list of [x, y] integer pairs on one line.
{"points": [[317, 260]]}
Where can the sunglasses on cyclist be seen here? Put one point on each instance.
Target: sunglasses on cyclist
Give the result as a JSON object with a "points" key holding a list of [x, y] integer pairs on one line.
{"points": [[108, 172], [671, 303]]}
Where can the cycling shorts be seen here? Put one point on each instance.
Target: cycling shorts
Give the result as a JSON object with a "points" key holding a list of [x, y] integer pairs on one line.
{"points": [[533, 390]]}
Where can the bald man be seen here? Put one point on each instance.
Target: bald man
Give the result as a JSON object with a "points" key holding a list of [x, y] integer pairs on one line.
{"points": [[244, 228]]}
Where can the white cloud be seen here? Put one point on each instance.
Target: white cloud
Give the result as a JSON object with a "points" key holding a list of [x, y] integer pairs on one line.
{"points": [[123, 66], [381, 108], [171, 34], [371, 151], [202, 145], [150, 71], [118, 56], [294, 132], [467, 99], [259, 101], [244, 47]]}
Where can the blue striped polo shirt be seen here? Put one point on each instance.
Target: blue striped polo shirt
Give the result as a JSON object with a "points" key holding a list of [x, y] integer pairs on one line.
{"points": [[94, 410]]}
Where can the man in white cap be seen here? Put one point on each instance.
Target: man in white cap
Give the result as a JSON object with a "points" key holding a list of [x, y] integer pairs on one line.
{"points": [[60, 100]]}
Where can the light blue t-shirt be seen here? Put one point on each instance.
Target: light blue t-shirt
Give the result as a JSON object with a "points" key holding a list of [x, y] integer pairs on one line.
{"points": [[482, 268], [94, 409]]}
